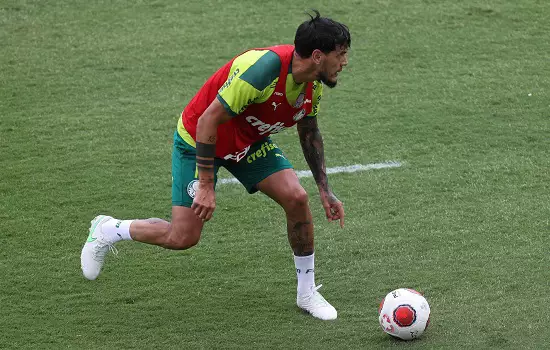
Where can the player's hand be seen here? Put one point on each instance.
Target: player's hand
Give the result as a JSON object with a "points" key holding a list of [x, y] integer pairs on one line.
{"points": [[334, 209], [205, 201]]}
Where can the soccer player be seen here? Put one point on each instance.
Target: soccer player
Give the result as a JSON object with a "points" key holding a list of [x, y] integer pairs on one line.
{"points": [[228, 123]]}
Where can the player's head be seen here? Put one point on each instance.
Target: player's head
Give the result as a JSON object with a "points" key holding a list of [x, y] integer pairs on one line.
{"points": [[325, 42]]}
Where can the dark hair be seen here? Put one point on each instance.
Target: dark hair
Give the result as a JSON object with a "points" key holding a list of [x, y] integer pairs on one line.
{"points": [[320, 33]]}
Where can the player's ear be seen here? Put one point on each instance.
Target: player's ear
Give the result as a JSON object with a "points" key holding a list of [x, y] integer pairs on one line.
{"points": [[317, 56]]}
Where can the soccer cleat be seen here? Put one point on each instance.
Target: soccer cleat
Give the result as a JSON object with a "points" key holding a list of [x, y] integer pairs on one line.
{"points": [[316, 305], [95, 249]]}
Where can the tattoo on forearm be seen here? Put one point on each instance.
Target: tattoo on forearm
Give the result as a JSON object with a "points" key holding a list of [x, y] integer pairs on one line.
{"points": [[205, 168], [312, 146], [205, 158], [205, 164], [208, 180], [205, 161], [212, 139]]}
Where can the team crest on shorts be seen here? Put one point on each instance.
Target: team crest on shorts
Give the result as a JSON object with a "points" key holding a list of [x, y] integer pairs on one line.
{"points": [[192, 188]]}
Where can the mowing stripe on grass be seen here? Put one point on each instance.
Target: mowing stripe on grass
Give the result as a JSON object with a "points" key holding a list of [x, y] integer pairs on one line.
{"points": [[335, 170]]}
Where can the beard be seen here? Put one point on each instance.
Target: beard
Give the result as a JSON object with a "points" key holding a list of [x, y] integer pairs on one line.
{"points": [[324, 79]]}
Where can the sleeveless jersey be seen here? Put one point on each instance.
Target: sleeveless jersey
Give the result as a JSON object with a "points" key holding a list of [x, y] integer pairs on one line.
{"points": [[257, 120]]}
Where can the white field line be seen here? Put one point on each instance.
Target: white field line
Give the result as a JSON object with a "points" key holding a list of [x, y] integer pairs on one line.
{"points": [[339, 169]]}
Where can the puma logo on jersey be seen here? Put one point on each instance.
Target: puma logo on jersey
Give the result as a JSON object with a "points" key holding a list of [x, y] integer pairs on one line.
{"points": [[275, 105]]}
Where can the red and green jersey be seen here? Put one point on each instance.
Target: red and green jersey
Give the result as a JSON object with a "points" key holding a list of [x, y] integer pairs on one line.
{"points": [[257, 88]]}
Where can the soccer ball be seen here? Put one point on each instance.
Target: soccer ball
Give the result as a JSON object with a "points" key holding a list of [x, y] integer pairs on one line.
{"points": [[404, 313]]}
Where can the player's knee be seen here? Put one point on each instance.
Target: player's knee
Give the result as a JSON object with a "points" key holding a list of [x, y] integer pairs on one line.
{"points": [[297, 200], [184, 238]]}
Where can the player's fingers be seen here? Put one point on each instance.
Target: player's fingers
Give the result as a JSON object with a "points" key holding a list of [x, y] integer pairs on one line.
{"points": [[327, 209], [335, 210], [328, 213], [341, 214], [200, 211], [206, 213], [337, 213], [209, 214], [197, 210]]}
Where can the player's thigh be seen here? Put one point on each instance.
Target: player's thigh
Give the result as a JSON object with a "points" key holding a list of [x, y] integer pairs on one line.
{"points": [[263, 159]]}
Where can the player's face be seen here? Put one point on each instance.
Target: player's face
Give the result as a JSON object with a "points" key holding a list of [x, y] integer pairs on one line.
{"points": [[332, 64]]}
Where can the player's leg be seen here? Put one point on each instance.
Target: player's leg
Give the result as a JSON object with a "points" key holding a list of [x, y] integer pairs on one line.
{"points": [[284, 187], [265, 168], [181, 233]]}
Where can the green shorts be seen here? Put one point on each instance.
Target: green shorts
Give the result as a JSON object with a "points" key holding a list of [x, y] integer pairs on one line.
{"points": [[263, 159]]}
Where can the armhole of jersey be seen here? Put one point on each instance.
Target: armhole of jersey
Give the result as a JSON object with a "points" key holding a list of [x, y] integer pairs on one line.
{"points": [[315, 103], [184, 134]]}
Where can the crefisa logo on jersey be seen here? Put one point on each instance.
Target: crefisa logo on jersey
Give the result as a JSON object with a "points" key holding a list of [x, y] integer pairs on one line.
{"points": [[192, 188]]}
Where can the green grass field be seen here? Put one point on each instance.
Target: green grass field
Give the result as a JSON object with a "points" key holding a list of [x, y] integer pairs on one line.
{"points": [[458, 91]]}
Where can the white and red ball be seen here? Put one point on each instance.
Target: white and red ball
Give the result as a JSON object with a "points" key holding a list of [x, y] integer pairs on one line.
{"points": [[404, 313]]}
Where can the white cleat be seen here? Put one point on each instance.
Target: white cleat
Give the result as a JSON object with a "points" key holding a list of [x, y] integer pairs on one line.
{"points": [[95, 248], [316, 305]]}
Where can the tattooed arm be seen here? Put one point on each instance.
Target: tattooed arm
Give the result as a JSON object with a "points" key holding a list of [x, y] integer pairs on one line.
{"points": [[204, 202], [312, 146]]}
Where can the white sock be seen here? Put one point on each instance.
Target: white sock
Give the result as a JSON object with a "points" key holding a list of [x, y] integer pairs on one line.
{"points": [[305, 272], [117, 230]]}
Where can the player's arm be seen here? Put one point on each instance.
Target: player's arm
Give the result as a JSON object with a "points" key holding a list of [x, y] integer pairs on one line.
{"points": [[207, 133], [242, 87], [312, 146], [313, 149]]}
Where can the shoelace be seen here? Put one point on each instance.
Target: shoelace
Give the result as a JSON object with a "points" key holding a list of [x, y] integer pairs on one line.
{"points": [[99, 251], [317, 298]]}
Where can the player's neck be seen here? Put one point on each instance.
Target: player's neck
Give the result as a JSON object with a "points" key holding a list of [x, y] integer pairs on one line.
{"points": [[302, 70]]}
